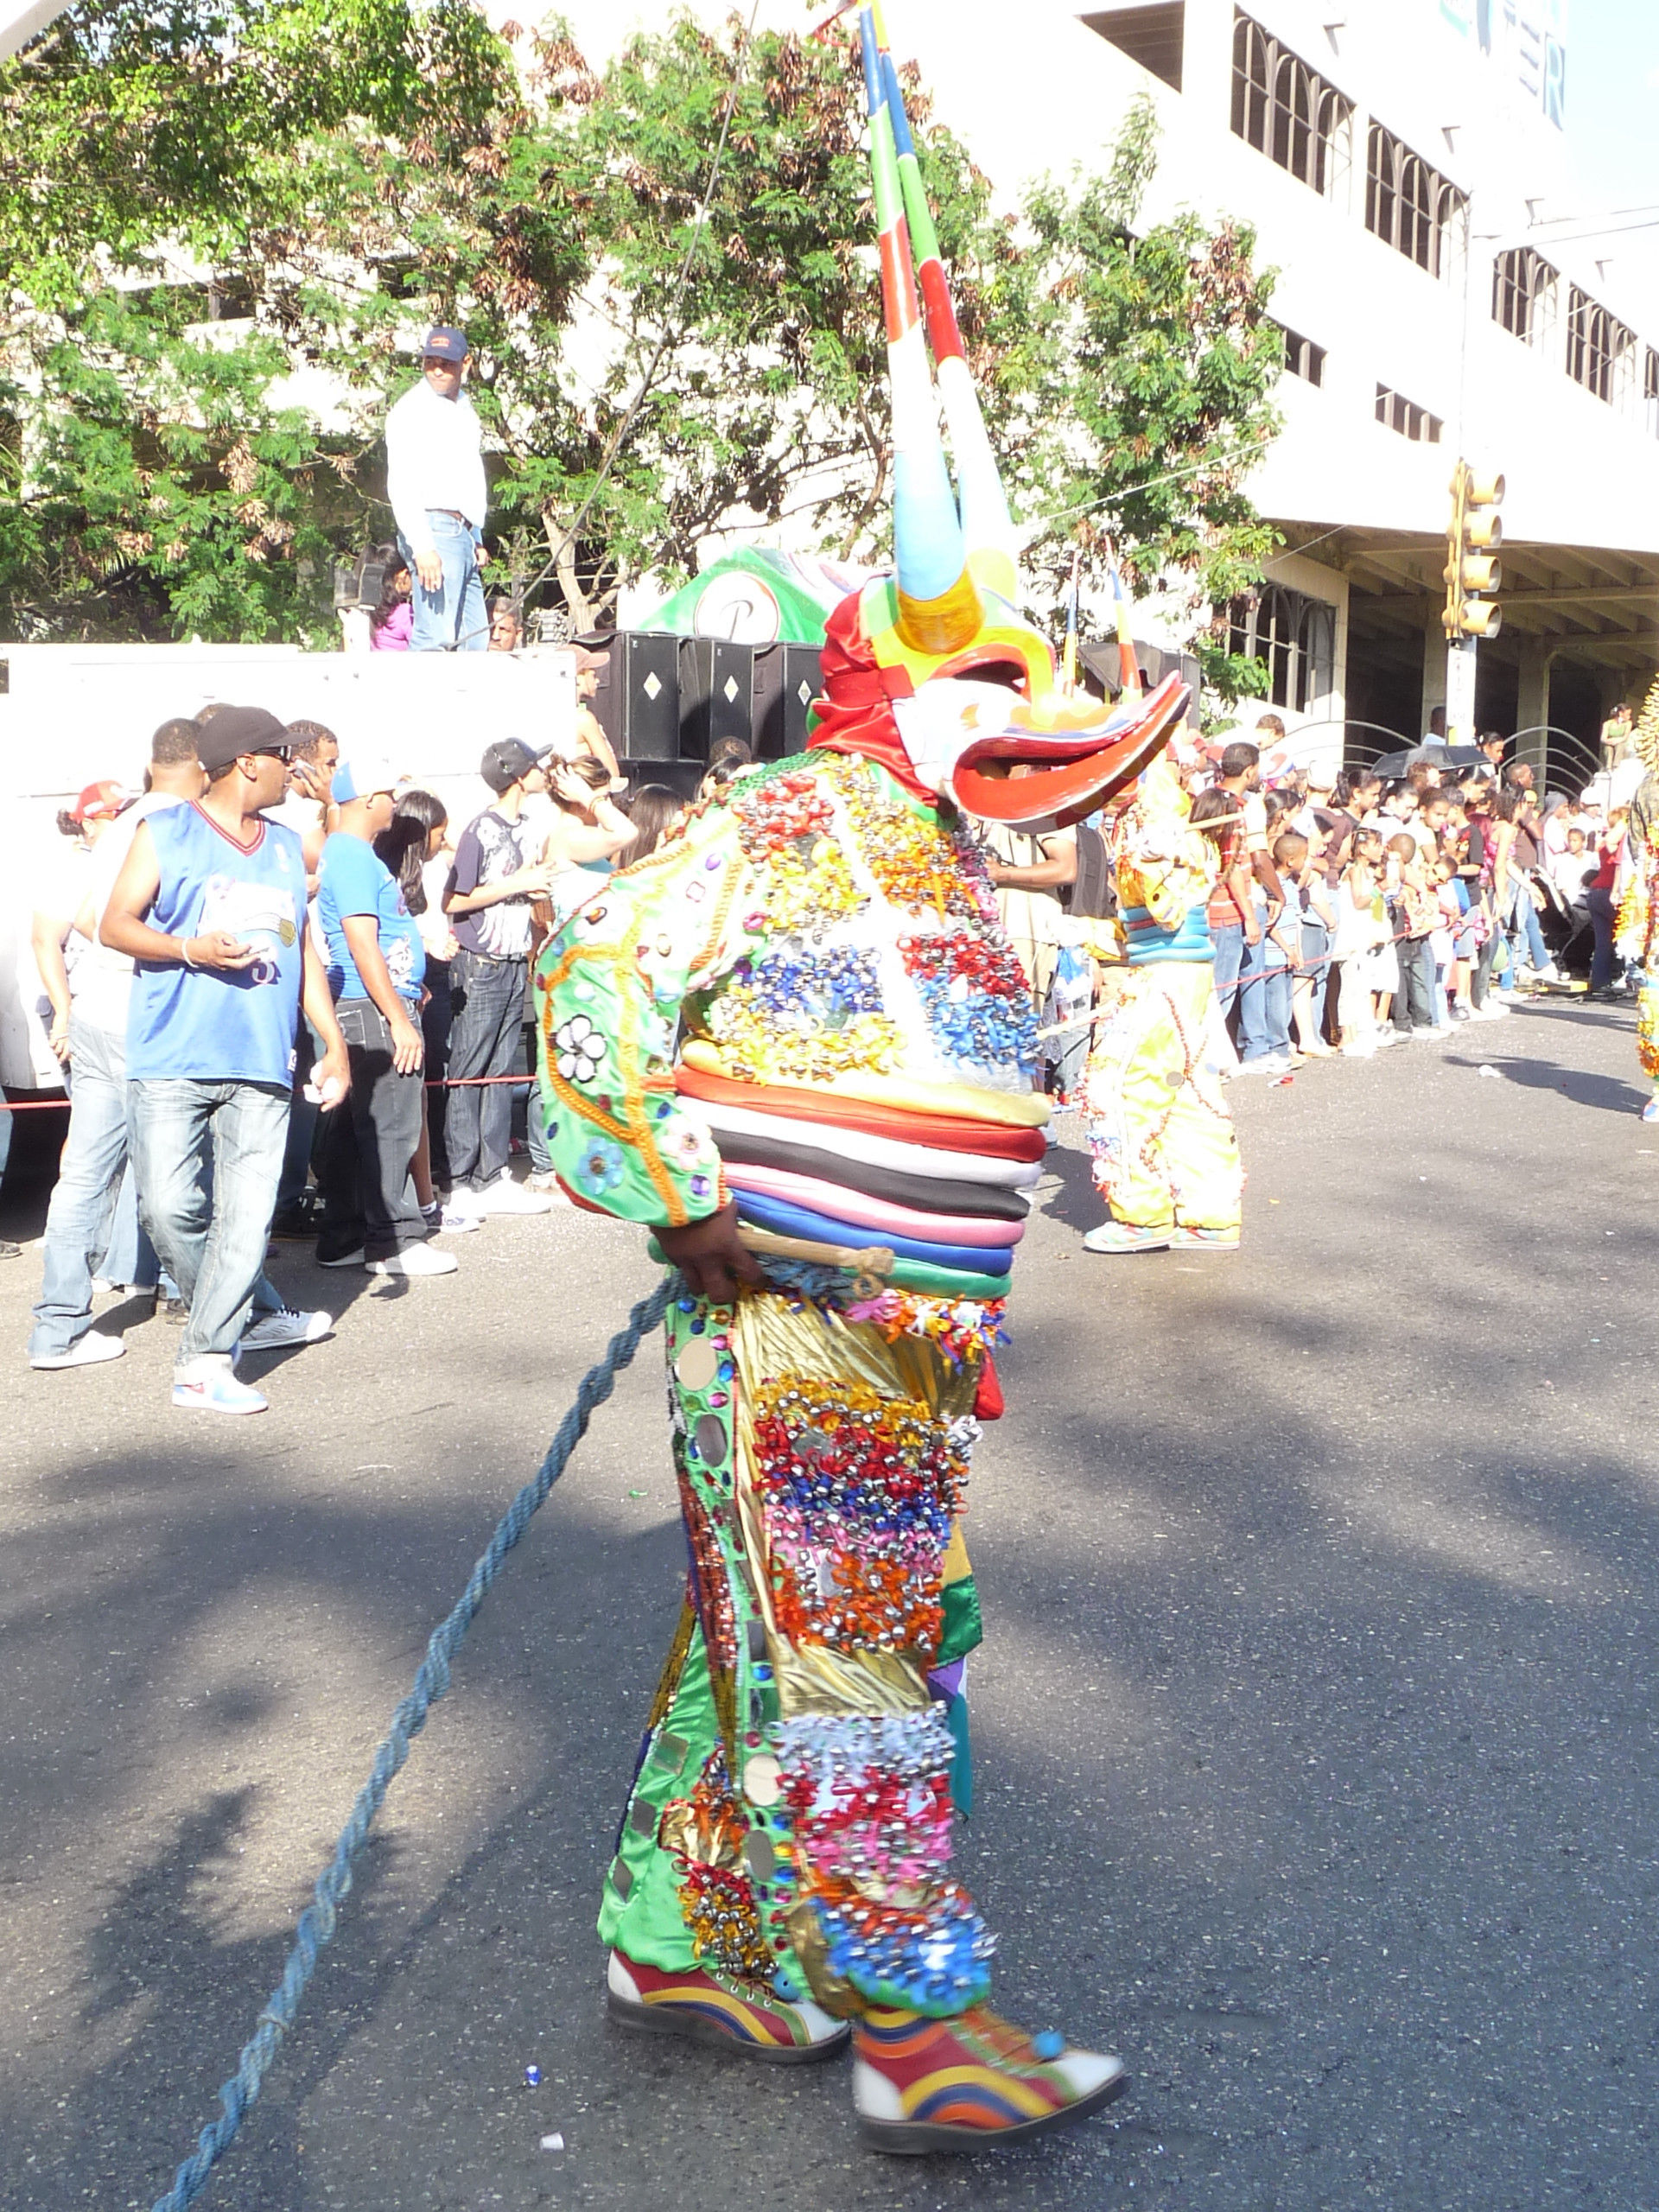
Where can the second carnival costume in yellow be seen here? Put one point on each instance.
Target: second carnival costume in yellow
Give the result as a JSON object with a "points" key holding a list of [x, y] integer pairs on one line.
{"points": [[1165, 1156], [1636, 934]]}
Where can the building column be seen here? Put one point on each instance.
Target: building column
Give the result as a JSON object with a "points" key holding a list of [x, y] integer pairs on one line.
{"points": [[1532, 702], [1434, 668]]}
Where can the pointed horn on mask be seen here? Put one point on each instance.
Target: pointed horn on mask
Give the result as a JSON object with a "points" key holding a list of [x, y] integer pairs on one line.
{"points": [[987, 525], [939, 607], [1129, 660]]}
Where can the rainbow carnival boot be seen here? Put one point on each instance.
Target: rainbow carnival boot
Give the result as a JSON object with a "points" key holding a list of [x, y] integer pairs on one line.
{"points": [[748, 2018], [970, 2083]]}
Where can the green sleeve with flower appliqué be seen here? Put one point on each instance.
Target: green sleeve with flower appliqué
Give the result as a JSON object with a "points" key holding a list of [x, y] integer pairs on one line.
{"points": [[608, 992]]}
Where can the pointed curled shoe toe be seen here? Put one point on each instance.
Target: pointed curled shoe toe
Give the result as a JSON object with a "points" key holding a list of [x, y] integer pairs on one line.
{"points": [[748, 2018], [970, 2083]]}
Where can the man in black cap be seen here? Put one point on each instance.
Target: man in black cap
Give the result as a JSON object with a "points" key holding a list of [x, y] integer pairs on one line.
{"points": [[497, 872], [210, 904], [434, 480]]}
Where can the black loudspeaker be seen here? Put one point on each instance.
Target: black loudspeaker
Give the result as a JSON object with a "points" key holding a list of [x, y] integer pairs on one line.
{"points": [[767, 695], [609, 690], [696, 673], [731, 692], [650, 728], [802, 680]]}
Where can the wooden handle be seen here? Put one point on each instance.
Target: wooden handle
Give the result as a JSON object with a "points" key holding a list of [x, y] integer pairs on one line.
{"points": [[872, 1260]]}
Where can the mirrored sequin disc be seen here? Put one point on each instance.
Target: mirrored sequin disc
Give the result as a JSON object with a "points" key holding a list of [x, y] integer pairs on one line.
{"points": [[762, 1858], [697, 1364], [709, 1435], [763, 1780]]}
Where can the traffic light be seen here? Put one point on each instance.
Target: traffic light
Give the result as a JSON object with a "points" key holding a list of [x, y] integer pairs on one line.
{"points": [[1471, 564]]}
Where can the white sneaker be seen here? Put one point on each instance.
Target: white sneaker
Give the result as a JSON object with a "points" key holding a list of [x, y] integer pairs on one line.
{"points": [[414, 1260], [548, 1185], [90, 1350], [285, 1326], [458, 1221], [504, 1196]]}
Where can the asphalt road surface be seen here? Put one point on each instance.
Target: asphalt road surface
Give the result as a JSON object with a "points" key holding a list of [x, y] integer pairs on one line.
{"points": [[1314, 1731]]}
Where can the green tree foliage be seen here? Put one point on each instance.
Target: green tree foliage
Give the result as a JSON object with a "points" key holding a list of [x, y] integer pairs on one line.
{"points": [[222, 226]]}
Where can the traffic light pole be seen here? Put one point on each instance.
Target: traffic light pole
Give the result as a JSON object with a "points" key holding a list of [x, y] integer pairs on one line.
{"points": [[1460, 692]]}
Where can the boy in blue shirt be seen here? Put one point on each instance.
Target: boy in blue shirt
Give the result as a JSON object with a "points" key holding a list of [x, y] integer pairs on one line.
{"points": [[370, 1217]]}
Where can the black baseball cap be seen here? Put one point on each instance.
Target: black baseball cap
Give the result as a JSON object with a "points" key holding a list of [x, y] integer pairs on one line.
{"points": [[236, 730], [505, 762], [444, 343]]}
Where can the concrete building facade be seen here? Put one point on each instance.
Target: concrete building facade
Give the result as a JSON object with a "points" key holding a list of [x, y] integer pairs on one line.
{"points": [[1403, 164]]}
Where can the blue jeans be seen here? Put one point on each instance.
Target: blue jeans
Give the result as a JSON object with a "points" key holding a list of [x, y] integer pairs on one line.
{"points": [[211, 1238], [452, 619], [92, 1198], [1263, 1001], [1525, 938], [489, 998], [1229, 940]]}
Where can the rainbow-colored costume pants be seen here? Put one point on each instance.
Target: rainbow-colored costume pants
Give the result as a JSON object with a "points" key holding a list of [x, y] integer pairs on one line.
{"points": [[1159, 1126], [790, 1817]]}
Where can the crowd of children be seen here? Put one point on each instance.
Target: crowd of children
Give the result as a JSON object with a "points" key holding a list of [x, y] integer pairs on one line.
{"points": [[1375, 912]]}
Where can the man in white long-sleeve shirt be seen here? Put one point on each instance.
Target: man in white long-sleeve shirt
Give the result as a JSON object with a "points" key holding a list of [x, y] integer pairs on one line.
{"points": [[434, 480]]}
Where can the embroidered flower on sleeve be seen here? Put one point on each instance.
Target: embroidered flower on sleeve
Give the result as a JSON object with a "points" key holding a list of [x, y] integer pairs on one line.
{"points": [[687, 1147], [601, 1167], [580, 1048]]}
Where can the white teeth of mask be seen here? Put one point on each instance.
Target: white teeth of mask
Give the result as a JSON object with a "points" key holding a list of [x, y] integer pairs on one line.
{"points": [[944, 718]]}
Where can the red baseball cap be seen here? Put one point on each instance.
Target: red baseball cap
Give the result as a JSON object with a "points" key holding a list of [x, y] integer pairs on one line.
{"points": [[101, 803]]}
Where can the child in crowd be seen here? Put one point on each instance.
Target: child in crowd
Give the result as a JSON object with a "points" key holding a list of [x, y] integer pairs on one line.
{"points": [[1415, 915], [1362, 925], [391, 626], [1306, 926], [1451, 970]]}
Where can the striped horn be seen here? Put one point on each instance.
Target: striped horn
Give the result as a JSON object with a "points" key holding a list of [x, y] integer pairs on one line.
{"points": [[987, 525], [939, 608]]}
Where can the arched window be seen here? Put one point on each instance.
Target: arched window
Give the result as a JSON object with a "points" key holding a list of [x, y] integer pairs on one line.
{"points": [[1294, 637], [1410, 205], [1288, 112]]}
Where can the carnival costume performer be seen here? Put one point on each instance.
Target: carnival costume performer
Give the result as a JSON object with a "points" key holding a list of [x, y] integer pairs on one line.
{"points": [[798, 1027], [1636, 933], [1165, 1157]]}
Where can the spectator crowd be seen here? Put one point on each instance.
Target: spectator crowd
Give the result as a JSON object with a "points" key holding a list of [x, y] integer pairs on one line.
{"points": [[288, 1004], [1350, 912], [291, 998]]}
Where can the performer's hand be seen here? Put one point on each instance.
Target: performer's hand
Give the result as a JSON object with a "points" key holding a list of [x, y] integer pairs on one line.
{"points": [[710, 1256], [429, 568]]}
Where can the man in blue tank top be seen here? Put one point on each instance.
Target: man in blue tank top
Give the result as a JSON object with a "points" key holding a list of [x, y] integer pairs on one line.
{"points": [[211, 905]]}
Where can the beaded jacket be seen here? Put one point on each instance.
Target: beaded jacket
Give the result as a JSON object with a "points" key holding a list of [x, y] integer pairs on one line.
{"points": [[809, 972]]}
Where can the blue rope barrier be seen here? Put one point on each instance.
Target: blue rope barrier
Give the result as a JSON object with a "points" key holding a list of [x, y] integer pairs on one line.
{"points": [[317, 1923]]}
